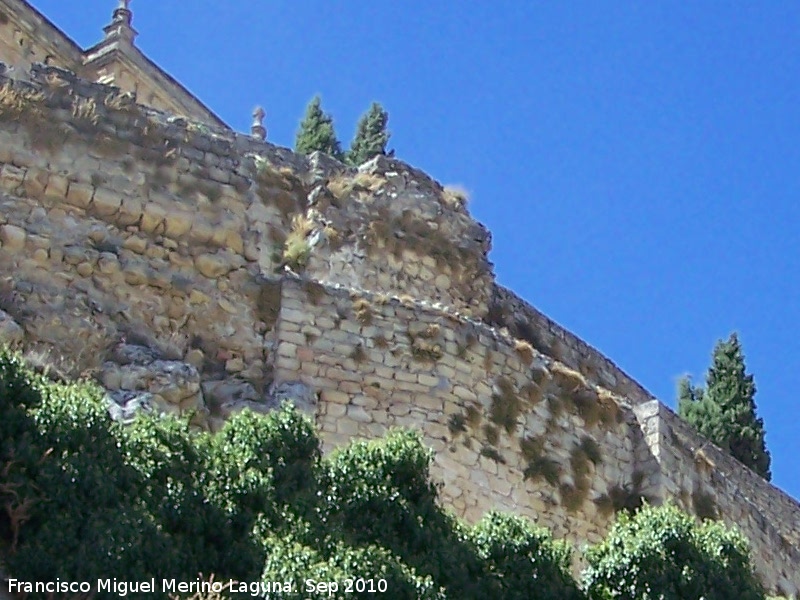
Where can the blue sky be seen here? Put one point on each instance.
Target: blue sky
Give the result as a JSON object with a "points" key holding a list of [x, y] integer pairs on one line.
{"points": [[637, 162]]}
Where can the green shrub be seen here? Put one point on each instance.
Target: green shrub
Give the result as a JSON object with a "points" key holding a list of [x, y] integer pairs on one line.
{"points": [[524, 560], [663, 553], [85, 498]]}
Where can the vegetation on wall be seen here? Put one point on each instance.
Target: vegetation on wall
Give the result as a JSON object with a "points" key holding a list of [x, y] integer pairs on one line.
{"points": [[87, 498], [725, 411]]}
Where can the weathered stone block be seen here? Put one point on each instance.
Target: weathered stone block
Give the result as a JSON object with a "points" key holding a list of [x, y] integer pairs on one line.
{"points": [[12, 237], [106, 202]]}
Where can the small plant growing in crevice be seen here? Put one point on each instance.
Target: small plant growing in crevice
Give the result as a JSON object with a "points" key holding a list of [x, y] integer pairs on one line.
{"points": [[543, 468], [455, 197], [363, 311], [380, 341], [358, 354], [297, 249], [580, 465], [538, 466], [493, 454], [626, 497], [524, 350], [425, 345], [591, 449], [573, 496], [532, 393], [569, 380], [492, 434], [457, 424], [474, 416], [610, 413], [506, 405], [704, 505], [587, 406]]}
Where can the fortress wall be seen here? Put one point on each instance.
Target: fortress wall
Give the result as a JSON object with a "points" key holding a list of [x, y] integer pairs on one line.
{"points": [[118, 221], [396, 230], [525, 322], [491, 413], [115, 220], [707, 481]]}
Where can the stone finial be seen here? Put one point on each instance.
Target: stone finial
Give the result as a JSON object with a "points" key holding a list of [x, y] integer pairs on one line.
{"points": [[120, 26], [257, 129], [123, 12]]}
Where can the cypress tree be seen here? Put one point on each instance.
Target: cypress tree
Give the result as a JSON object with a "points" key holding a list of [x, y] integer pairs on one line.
{"points": [[725, 411], [316, 132], [371, 136]]}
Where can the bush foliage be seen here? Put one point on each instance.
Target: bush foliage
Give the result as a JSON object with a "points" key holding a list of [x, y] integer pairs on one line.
{"points": [[664, 554], [86, 498], [255, 502]]}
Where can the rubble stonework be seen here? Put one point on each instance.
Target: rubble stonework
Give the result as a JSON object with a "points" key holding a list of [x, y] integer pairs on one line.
{"points": [[194, 270]]}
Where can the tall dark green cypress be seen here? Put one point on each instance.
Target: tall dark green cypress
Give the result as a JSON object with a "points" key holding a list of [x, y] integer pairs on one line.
{"points": [[316, 132], [725, 411], [371, 136]]}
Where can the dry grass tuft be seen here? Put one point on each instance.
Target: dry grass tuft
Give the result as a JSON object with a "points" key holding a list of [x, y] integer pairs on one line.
{"points": [[340, 185], [335, 238], [367, 182], [431, 331], [610, 413], [363, 311], [297, 250], [426, 351], [703, 461], [524, 350], [455, 197], [569, 380], [381, 299], [15, 104]]}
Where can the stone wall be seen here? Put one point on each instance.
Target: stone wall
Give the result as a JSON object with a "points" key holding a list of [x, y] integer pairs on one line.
{"points": [[525, 322], [161, 257], [708, 482], [511, 428]]}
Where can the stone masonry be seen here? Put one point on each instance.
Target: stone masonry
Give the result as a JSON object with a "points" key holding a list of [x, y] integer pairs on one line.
{"points": [[190, 269]]}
